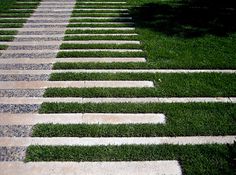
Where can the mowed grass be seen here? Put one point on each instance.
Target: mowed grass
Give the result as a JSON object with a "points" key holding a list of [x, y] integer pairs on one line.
{"points": [[194, 159], [99, 54], [6, 11], [167, 85], [100, 46], [180, 35], [99, 31], [182, 120], [100, 25]]}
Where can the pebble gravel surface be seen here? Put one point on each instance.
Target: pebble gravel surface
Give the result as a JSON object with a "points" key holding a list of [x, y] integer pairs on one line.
{"points": [[25, 66], [21, 93], [12, 153], [13, 108], [42, 77], [15, 131]]}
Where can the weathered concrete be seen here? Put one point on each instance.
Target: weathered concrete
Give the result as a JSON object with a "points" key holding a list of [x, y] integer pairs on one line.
{"points": [[166, 167], [91, 141], [79, 118]]}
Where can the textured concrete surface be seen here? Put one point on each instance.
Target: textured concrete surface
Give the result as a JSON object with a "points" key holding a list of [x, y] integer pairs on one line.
{"points": [[77, 84], [166, 167], [38, 100], [88, 118], [90, 141]]}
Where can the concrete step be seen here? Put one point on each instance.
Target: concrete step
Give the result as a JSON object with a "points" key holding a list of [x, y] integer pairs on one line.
{"points": [[80, 118], [77, 84], [69, 28], [38, 72], [95, 141], [17, 43], [166, 167], [37, 100], [71, 60], [26, 51]]}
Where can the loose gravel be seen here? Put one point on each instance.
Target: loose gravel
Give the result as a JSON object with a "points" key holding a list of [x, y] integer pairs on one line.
{"points": [[12, 153], [45, 38], [36, 47], [42, 77], [15, 131], [13, 108], [21, 93], [25, 66], [41, 33], [29, 55]]}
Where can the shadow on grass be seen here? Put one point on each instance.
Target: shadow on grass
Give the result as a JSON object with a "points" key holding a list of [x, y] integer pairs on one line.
{"points": [[187, 18]]}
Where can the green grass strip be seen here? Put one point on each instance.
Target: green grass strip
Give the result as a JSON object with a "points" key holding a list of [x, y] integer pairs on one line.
{"points": [[12, 20], [99, 54], [24, 7], [77, 38], [101, 7], [26, 15], [16, 11], [98, 15], [10, 32], [98, 11], [182, 120], [6, 38], [194, 159], [98, 31], [100, 25], [3, 47], [174, 85], [100, 46], [100, 20], [11, 25], [170, 110]]}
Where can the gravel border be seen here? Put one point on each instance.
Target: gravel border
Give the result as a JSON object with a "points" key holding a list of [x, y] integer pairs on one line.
{"points": [[12, 153], [21, 93], [15, 131], [23, 108]]}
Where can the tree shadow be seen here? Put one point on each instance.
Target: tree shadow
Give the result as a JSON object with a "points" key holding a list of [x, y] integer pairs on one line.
{"points": [[187, 18]]}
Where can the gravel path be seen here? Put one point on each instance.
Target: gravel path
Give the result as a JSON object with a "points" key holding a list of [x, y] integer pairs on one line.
{"points": [[12, 153], [15, 131], [25, 66], [41, 77], [21, 93]]}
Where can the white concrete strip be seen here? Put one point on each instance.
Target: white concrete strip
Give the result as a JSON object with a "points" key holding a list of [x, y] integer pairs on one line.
{"points": [[233, 99], [167, 167], [50, 35], [112, 18], [39, 72], [92, 141], [10, 51], [102, 2], [77, 84], [101, 50], [30, 43], [70, 28], [40, 100], [110, 9], [79, 118], [159, 100], [71, 60]]}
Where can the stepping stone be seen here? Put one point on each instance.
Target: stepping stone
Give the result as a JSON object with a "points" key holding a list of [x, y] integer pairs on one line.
{"points": [[79, 118], [71, 60], [167, 167], [38, 100], [105, 141], [78, 84], [35, 72]]}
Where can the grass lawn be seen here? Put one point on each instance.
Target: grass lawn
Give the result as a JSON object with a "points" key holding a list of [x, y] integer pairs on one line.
{"points": [[182, 120], [167, 85], [194, 159], [179, 35], [6, 11]]}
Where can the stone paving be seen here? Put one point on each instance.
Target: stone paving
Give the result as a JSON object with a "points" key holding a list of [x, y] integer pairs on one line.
{"points": [[25, 71]]}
